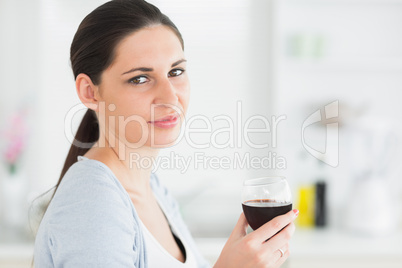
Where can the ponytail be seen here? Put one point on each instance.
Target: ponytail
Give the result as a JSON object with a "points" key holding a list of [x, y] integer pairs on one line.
{"points": [[87, 133]]}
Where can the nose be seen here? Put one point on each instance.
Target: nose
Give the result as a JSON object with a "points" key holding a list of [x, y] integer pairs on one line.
{"points": [[166, 93]]}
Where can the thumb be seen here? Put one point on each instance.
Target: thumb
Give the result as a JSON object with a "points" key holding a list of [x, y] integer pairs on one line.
{"points": [[240, 230]]}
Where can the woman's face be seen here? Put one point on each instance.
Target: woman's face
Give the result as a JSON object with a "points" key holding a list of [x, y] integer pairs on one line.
{"points": [[145, 83]]}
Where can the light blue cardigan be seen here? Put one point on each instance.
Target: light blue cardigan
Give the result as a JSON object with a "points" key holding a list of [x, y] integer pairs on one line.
{"points": [[91, 222]]}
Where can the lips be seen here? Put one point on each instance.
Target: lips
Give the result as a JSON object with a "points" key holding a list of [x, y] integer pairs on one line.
{"points": [[166, 118], [168, 121]]}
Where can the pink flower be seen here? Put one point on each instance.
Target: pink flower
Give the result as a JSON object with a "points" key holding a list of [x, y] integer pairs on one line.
{"points": [[15, 135]]}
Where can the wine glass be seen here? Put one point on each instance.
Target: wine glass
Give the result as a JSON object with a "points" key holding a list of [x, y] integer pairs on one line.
{"points": [[265, 198]]}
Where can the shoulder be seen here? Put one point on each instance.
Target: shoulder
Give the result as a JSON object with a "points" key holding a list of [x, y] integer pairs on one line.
{"points": [[89, 173], [89, 218], [88, 187]]}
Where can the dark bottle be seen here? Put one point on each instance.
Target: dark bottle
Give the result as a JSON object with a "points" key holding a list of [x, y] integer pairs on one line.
{"points": [[320, 204]]}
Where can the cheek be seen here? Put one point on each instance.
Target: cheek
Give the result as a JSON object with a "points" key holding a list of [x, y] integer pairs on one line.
{"points": [[126, 116], [135, 130], [128, 105]]}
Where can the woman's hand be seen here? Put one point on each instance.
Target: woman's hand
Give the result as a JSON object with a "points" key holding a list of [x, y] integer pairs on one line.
{"points": [[253, 250]]}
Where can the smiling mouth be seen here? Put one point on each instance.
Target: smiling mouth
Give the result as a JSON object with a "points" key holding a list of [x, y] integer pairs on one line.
{"points": [[168, 118]]}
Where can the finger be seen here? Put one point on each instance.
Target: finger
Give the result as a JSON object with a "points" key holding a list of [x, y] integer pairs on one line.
{"points": [[282, 259], [275, 225], [240, 230], [278, 254], [281, 238]]}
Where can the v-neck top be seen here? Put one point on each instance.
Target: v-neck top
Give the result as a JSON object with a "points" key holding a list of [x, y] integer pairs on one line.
{"points": [[159, 256], [92, 222]]}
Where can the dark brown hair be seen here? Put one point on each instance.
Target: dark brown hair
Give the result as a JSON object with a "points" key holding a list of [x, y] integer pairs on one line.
{"points": [[93, 51]]}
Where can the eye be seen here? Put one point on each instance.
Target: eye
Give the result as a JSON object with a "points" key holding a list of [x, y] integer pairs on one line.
{"points": [[138, 80], [175, 72]]}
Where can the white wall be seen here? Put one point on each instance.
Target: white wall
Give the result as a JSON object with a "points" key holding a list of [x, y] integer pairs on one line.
{"points": [[58, 23], [360, 66], [20, 45]]}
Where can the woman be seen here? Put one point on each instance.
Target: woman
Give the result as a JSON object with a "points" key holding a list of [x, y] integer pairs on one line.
{"points": [[130, 72]]}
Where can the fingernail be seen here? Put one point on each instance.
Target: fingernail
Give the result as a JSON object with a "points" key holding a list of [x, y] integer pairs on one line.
{"points": [[296, 212]]}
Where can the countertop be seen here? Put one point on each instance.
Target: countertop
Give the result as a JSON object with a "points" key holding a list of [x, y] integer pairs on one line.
{"points": [[309, 248]]}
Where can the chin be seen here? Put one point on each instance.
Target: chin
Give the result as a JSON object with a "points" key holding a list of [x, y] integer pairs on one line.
{"points": [[165, 142], [164, 138]]}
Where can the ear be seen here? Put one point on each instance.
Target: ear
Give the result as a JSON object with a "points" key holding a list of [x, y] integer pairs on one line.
{"points": [[87, 91]]}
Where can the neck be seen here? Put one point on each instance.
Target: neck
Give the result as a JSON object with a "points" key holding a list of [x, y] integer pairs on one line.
{"points": [[132, 166]]}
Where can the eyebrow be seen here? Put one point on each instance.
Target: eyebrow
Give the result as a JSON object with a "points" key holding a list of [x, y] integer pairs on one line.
{"points": [[147, 69]]}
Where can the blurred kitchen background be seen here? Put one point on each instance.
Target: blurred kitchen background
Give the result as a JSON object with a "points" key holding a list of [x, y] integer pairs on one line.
{"points": [[287, 58]]}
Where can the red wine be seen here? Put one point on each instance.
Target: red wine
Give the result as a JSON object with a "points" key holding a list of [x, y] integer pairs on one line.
{"points": [[260, 211]]}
